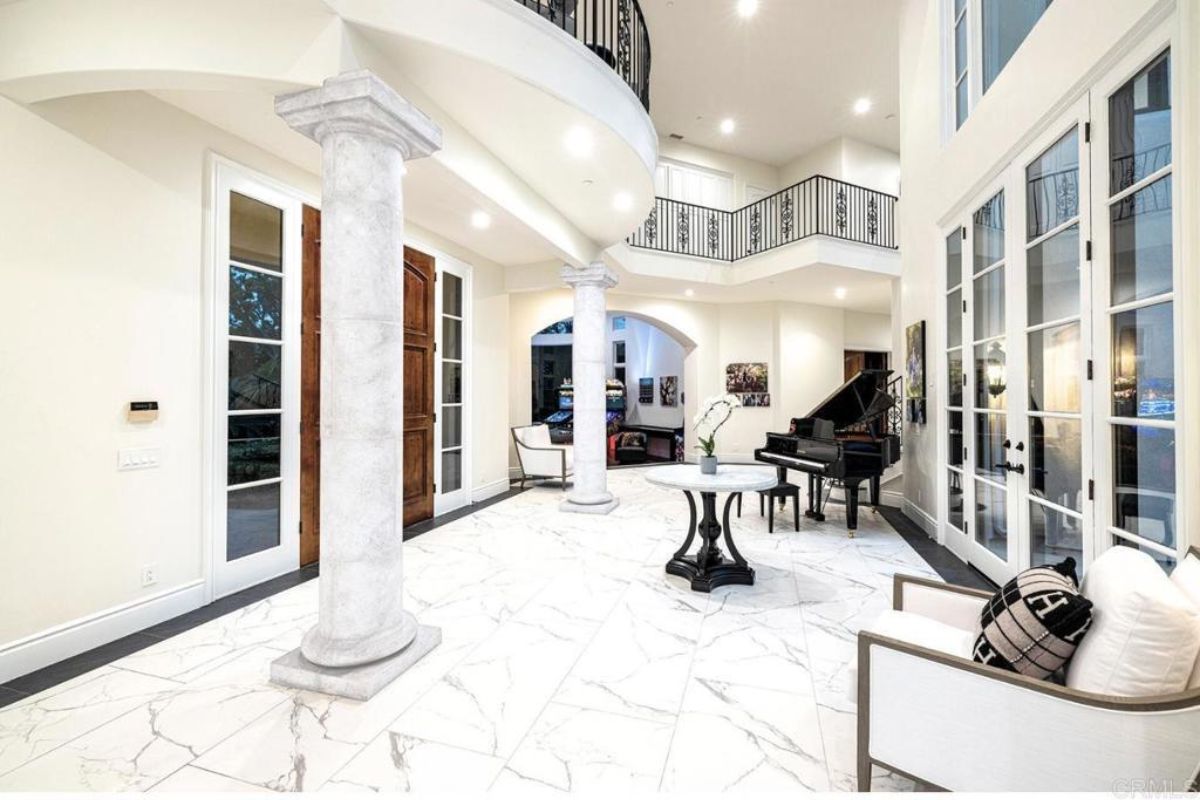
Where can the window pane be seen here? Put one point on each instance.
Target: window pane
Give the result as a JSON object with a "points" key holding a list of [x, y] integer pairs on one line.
{"points": [[255, 232], [1139, 125], [619, 352], [1006, 23], [954, 315], [989, 444], [959, 5], [254, 371], [955, 479], [989, 304], [1052, 186], [991, 376], [251, 521], [451, 471], [1166, 562], [253, 448], [1144, 475], [954, 259], [1054, 536], [255, 304], [451, 294], [1056, 453], [960, 47], [1143, 363], [991, 518], [1053, 277], [989, 233], [1055, 364], [452, 426], [962, 102], [1141, 243], [452, 338], [954, 456], [954, 395], [451, 382]]}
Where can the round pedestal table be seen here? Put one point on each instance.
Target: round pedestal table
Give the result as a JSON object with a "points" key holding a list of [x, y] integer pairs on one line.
{"points": [[709, 568]]}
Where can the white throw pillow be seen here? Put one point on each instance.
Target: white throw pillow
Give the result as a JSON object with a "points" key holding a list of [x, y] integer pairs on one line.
{"points": [[1145, 632], [1187, 577]]}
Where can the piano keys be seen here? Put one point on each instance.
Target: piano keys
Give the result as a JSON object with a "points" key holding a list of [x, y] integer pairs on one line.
{"points": [[844, 440]]}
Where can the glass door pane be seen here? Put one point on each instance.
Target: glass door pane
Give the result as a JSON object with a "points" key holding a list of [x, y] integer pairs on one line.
{"points": [[451, 412]]}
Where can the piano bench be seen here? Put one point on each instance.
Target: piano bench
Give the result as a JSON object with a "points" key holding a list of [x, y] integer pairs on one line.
{"points": [[781, 491]]}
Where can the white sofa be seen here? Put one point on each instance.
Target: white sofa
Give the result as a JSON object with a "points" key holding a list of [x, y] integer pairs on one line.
{"points": [[930, 713], [539, 457]]}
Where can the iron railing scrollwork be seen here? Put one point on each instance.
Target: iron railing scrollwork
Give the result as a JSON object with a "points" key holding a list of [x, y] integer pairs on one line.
{"points": [[895, 415], [816, 206], [615, 30]]}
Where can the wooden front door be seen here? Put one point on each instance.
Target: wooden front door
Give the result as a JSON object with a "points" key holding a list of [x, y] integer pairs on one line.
{"points": [[310, 389], [419, 276]]}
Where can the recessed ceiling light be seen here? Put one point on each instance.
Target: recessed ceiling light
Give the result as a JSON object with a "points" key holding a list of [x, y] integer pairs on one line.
{"points": [[481, 220], [690, 292], [840, 293], [862, 105], [579, 142], [747, 8], [622, 201], [728, 126]]}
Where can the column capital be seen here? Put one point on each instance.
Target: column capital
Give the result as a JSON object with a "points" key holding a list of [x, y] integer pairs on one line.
{"points": [[364, 103], [595, 274]]}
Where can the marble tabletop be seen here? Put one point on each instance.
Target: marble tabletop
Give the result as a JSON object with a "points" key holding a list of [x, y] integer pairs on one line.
{"points": [[729, 478]]}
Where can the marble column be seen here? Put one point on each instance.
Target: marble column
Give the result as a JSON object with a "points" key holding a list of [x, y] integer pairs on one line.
{"points": [[588, 350], [363, 638]]}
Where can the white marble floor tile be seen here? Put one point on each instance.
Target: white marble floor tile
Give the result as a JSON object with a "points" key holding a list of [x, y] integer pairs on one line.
{"points": [[193, 779], [739, 739], [571, 749], [393, 762]]}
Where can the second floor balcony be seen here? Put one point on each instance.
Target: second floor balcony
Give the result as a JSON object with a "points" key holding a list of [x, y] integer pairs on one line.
{"points": [[817, 206]]}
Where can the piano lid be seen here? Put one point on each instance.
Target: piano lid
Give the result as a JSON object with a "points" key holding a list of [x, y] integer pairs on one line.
{"points": [[860, 399]]}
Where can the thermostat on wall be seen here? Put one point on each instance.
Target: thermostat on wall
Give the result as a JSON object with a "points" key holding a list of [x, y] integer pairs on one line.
{"points": [[143, 411]]}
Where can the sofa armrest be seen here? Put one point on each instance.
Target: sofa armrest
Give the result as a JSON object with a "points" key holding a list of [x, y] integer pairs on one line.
{"points": [[953, 605], [542, 462], [965, 726]]}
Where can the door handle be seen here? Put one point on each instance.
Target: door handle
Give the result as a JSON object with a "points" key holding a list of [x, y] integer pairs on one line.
{"points": [[1009, 467], [1020, 447]]}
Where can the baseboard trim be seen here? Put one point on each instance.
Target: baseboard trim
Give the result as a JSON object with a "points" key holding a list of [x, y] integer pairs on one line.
{"points": [[891, 499], [490, 490], [919, 516], [52, 645]]}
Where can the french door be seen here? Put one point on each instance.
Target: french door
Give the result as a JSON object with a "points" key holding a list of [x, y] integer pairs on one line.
{"points": [[256, 377], [1059, 348]]}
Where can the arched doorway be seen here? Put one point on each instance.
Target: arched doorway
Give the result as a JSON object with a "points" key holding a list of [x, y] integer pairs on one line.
{"points": [[645, 393]]}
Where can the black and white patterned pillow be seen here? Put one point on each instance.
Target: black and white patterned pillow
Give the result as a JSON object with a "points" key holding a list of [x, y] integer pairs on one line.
{"points": [[1035, 622]]}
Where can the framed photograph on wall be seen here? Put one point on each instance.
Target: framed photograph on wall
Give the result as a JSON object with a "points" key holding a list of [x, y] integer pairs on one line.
{"points": [[914, 371], [749, 382], [646, 391], [668, 390]]}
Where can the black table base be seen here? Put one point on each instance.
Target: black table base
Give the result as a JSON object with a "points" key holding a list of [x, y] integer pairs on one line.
{"points": [[709, 568]]}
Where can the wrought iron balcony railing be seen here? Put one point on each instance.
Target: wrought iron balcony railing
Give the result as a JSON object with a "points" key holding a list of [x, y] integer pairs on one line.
{"points": [[815, 206], [615, 30]]}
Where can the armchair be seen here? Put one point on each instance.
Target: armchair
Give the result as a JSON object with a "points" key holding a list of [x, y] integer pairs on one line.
{"points": [[930, 713], [539, 458]]}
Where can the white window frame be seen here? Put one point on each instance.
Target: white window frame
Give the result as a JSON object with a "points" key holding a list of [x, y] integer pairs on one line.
{"points": [[667, 166], [223, 577]]}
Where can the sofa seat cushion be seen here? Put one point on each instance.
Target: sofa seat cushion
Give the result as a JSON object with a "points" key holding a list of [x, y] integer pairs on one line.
{"points": [[1035, 622], [1187, 577], [1146, 632], [913, 628]]}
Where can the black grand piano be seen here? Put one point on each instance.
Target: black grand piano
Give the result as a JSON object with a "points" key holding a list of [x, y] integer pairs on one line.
{"points": [[843, 441]]}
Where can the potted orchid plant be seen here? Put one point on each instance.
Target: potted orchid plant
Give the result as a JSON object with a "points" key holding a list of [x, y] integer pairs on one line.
{"points": [[714, 413]]}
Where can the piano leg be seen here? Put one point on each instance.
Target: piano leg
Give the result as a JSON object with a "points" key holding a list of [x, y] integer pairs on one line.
{"points": [[874, 492], [815, 485], [851, 487]]}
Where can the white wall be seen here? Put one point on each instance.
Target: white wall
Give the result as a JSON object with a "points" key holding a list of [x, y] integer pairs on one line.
{"points": [[1073, 43], [849, 160], [744, 170], [869, 332], [803, 346], [102, 229], [649, 353]]}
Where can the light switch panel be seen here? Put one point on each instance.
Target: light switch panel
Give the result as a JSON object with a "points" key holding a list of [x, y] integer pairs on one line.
{"points": [[138, 458]]}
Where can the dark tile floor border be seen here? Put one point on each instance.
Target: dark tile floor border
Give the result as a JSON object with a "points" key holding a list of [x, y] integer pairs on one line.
{"points": [[945, 563]]}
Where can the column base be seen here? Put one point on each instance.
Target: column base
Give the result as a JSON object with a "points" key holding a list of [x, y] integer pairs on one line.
{"points": [[357, 683], [603, 507]]}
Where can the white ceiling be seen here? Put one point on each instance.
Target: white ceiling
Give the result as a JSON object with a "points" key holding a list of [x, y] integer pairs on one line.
{"points": [[789, 75]]}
